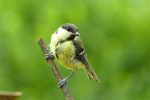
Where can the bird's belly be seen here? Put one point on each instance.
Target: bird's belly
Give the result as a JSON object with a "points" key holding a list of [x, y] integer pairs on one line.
{"points": [[66, 56], [69, 62]]}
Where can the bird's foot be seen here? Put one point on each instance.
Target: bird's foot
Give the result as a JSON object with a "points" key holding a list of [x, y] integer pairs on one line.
{"points": [[49, 56], [62, 82]]}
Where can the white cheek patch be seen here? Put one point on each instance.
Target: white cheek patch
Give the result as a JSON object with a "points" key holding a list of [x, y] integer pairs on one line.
{"points": [[60, 31], [63, 33]]}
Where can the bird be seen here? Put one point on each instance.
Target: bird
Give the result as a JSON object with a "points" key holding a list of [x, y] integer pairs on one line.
{"points": [[67, 48]]}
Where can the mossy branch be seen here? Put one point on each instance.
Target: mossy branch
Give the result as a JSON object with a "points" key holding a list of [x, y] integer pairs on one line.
{"points": [[54, 69]]}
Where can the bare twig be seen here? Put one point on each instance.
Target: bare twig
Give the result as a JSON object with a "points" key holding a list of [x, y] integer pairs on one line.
{"points": [[54, 69]]}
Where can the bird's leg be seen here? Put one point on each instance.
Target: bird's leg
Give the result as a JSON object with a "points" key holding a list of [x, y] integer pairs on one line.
{"points": [[63, 81], [49, 56]]}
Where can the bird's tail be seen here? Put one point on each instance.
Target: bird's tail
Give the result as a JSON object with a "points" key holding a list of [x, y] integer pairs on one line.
{"points": [[91, 74]]}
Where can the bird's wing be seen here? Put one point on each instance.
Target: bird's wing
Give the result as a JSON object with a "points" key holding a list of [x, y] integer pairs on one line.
{"points": [[79, 51], [81, 56]]}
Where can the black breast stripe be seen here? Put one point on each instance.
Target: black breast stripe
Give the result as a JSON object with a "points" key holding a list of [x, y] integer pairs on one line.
{"points": [[70, 38]]}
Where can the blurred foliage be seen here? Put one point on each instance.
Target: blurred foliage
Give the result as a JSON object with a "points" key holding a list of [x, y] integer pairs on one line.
{"points": [[116, 34]]}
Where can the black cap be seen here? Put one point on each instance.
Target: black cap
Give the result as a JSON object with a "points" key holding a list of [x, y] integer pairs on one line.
{"points": [[70, 27]]}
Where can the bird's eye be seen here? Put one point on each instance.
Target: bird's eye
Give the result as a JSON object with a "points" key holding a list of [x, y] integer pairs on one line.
{"points": [[69, 29]]}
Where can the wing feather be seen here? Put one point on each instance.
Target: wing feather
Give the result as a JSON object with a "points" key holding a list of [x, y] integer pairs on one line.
{"points": [[80, 52], [81, 56]]}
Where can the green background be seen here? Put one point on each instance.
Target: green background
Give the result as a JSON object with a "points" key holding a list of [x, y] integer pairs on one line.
{"points": [[116, 35]]}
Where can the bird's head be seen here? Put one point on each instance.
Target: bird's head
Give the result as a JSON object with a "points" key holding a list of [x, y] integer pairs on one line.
{"points": [[67, 31]]}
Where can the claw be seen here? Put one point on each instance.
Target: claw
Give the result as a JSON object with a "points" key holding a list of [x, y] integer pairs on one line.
{"points": [[49, 56], [62, 83]]}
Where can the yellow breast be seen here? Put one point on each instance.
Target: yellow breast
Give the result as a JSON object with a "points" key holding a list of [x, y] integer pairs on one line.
{"points": [[65, 54]]}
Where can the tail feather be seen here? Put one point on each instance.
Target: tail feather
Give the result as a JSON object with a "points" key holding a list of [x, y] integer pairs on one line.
{"points": [[91, 74]]}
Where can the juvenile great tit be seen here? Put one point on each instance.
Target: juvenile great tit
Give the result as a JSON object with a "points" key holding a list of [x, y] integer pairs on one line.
{"points": [[67, 48]]}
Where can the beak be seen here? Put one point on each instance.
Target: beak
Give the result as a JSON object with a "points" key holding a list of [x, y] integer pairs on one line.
{"points": [[76, 34]]}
